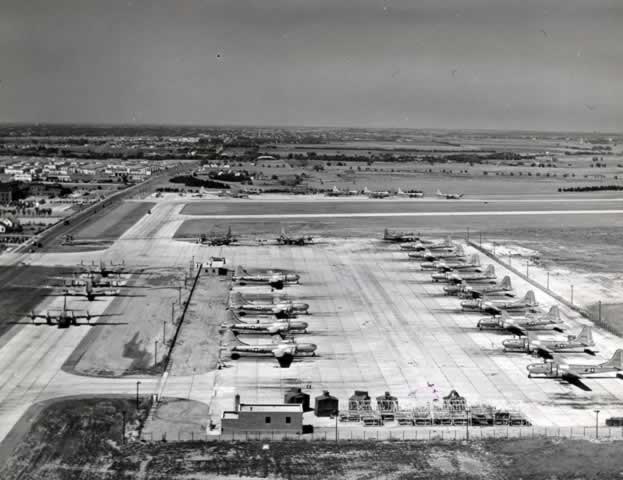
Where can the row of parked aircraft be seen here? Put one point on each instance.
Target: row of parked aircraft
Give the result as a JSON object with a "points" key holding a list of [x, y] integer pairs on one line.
{"points": [[267, 314], [480, 291], [228, 238], [336, 192], [89, 281]]}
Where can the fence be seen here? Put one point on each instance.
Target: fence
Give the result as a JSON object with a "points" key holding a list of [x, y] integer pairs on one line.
{"points": [[410, 434], [603, 315]]}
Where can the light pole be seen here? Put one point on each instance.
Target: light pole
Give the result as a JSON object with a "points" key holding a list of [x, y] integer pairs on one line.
{"points": [[123, 428], [138, 382], [467, 424], [155, 353], [548, 280], [164, 326], [337, 414], [596, 423], [527, 274]]}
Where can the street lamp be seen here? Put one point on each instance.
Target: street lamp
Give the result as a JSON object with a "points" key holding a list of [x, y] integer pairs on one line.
{"points": [[138, 382], [337, 414], [467, 423], [596, 423]]}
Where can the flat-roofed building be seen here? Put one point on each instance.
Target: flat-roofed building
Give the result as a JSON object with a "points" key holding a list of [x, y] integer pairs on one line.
{"points": [[277, 417]]}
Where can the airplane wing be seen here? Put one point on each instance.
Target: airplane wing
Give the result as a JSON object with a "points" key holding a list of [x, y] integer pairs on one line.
{"points": [[96, 324], [516, 330], [576, 381], [545, 352]]}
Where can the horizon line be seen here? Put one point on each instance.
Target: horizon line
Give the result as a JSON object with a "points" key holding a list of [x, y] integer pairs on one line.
{"points": [[317, 127]]}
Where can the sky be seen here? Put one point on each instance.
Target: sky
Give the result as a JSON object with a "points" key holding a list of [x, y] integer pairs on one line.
{"points": [[553, 65]]}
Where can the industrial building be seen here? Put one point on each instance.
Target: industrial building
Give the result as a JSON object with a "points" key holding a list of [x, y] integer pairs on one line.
{"points": [[256, 417]]}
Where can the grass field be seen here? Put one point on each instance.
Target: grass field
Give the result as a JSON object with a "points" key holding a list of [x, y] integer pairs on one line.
{"points": [[90, 448]]}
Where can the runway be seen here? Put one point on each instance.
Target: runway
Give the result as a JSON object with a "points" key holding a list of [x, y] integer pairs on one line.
{"points": [[506, 213]]}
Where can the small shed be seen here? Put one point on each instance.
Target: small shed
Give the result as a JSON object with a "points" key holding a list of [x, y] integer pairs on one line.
{"points": [[326, 405], [296, 395], [386, 403], [454, 402], [360, 400]]}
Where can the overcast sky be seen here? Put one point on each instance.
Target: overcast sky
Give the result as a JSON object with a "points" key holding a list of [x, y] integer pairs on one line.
{"points": [[507, 64]]}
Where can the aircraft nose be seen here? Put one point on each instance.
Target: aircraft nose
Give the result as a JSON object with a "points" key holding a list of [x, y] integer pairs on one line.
{"points": [[302, 306], [510, 343]]}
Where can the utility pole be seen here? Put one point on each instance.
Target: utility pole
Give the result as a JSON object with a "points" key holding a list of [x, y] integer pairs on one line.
{"points": [[480, 238], [123, 428], [527, 273], [467, 235], [337, 414], [155, 353], [173, 312], [179, 295], [596, 424], [164, 338], [138, 382], [467, 424], [548, 280]]}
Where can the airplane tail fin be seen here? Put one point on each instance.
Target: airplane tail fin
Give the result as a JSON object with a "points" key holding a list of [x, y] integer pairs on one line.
{"points": [[285, 360], [229, 232], [365, 189], [235, 298], [475, 260], [490, 271], [506, 282], [529, 298], [400, 192], [616, 361], [236, 340], [586, 335], [504, 315], [386, 234], [459, 251], [554, 313], [439, 193]]}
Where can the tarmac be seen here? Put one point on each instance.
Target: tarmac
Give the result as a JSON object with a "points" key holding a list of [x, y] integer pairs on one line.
{"points": [[379, 323]]}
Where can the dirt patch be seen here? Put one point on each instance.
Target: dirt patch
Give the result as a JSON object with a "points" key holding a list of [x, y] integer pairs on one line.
{"points": [[197, 347]]}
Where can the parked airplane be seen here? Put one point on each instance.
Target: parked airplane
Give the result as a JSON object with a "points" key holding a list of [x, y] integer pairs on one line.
{"points": [[90, 292], [276, 280], [473, 264], [396, 237], [503, 287], [289, 308], [449, 196], [573, 372], [336, 192], [377, 193], [519, 325], [216, 239], [105, 270], [93, 279], [270, 328], [545, 348], [422, 245], [232, 194], [285, 239], [457, 255], [488, 276], [66, 318], [410, 193], [239, 348], [495, 307]]}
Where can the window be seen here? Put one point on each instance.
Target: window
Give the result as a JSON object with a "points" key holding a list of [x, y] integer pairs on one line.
{"points": [[266, 419], [288, 420]]}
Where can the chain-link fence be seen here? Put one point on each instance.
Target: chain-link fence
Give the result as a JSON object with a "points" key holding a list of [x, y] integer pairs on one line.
{"points": [[449, 434]]}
